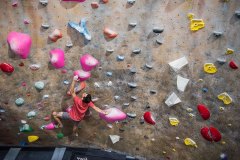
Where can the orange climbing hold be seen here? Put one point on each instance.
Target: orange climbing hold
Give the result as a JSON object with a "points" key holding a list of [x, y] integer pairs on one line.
{"points": [[95, 5], [110, 33]]}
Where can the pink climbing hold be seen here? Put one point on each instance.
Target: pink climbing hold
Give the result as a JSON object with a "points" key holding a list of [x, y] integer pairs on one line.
{"points": [[149, 118], [204, 112], [82, 75], [57, 58], [20, 43], [49, 126], [6, 67], [233, 65], [113, 115], [88, 62], [74, 0]]}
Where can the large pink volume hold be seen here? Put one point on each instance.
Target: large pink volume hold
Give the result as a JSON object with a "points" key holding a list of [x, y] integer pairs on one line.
{"points": [[88, 62], [82, 75], [113, 115], [57, 58], [75, 0], [20, 43]]}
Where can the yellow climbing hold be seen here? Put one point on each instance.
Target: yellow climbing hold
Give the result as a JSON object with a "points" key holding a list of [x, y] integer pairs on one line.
{"points": [[32, 138], [229, 51], [210, 68], [190, 142], [225, 98], [173, 121], [195, 24]]}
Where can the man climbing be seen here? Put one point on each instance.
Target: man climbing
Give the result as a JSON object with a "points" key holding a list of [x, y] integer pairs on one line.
{"points": [[79, 109]]}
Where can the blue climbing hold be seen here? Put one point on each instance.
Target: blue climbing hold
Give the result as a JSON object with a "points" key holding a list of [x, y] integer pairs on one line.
{"points": [[19, 101], [39, 85], [120, 58], [109, 74]]}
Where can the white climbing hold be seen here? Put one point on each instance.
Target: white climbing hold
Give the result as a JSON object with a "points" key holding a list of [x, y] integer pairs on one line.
{"points": [[133, 24], [148, 66], [114, 138], [43, 2], [45, 25], [178, 64], [172, 100], [182, 83]]}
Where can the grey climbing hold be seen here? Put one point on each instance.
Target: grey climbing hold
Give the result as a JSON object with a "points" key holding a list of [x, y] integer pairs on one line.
{"points": [[131, 1], [31, 114], [110, 50], [45, 26], [148, 66], [132, 85], [237, 13], [221, 60], [19, 101], [133, 70], [66, 82], [158, 30], [45, 96], [133, 24], [109, 74], [136, 51], [69, 44], [217, 34], [131, 115], [153, 91], [158, 41], [125, 104], [120, 58], [39, 85], [43, 2], [134, 98], [141, 120], [116, 98]]}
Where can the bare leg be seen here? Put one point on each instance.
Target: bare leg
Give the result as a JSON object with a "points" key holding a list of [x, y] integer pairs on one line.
{"points": [[75, 127], [57, 117]]}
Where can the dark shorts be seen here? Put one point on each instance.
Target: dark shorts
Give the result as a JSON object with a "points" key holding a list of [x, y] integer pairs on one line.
{"points": [[66, 116]]}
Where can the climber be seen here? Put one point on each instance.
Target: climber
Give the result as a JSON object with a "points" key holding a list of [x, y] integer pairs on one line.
{"points": [[79, 109]]}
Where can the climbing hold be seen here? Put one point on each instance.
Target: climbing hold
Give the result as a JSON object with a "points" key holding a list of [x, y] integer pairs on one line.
{"points": [[211, 134], [31, 114], [217, 34], [69, 44], [32, 138], [110, 33], [19, 43], [45, 25], [25, 128], [225, 98], [205, 90], [221, 108], [131, 115], [132, 85], [57, 58], [133, 70], [237, 13], [233, 65], [39, 85], [152, 91], [133, 24], [94, 5], [120, 58], [74, 0], [134, 98], [49, 126], [109, 84], [189, 109], [131, 1], [182, 83], [110, 50], [148, 66], [158, 30], [109, 74], [229, 51], [113, 115], [210, 68], [136, 51], [60, 135], [88, 62], [178, 64], [221, 60], [223, 156], [23, 122], [55, 35], [204, 112], [47, 118], [34, 66], [6, 67], [159, 41], [43, 2], [195, 24], [105, 1], [149, 118], [15, 3], [82, 75], [26, 21], [173, 121], [81, 28], [19, 101], [172, 100], [114, 138], [190, 142], [126, 104]]}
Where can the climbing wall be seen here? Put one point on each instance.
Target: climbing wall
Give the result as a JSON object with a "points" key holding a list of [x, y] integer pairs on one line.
{"points": [[152, 80]]}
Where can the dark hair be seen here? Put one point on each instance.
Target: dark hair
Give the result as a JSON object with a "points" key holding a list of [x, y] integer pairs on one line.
{"points": [[87, 99]]}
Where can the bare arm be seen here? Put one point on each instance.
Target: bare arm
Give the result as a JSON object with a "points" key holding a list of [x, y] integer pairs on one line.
{"points": [[72, 91], [99, 110]]}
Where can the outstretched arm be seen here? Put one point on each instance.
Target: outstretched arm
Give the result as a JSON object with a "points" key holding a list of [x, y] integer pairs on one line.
{"points": [[72, 91], [99, 110]]}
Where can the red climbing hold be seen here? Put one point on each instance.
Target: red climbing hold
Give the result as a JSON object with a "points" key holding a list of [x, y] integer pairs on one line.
{"points": [[204, 112], [205, 133], [216, 135], [233, 65], [6, 67], [149, 118]]}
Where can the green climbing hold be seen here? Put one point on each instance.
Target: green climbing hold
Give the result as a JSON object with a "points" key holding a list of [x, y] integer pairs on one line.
{"points": [[60, 135], [26, 128], [19, 101], [39, 85]]}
